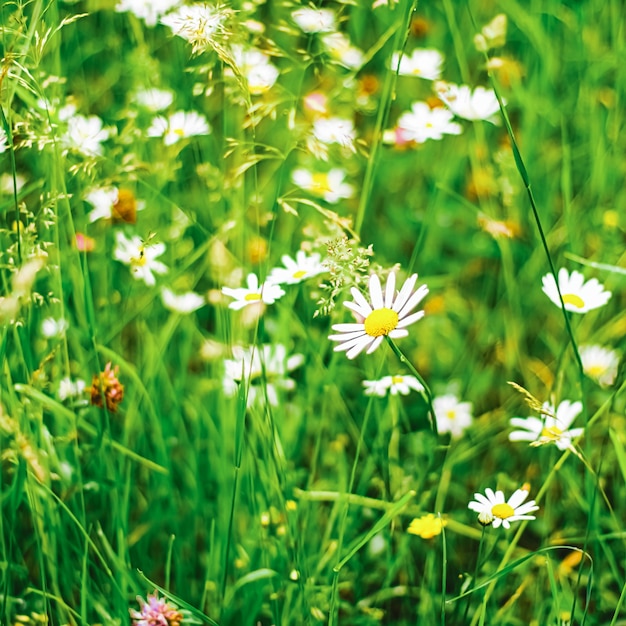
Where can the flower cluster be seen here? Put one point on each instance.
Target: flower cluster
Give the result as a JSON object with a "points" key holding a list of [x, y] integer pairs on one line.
{"points": [[294, 271], [107, 389]]}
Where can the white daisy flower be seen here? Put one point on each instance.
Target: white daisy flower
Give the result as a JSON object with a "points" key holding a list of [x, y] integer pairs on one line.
{"points": [[600, 364], [179, 125], [452, 416], [182, 303], [140, 256], [578, 296], [314, 20], [492, 508], [266, 368], [328, 185], [384, 315], [341, 50], [335, 130], [103, 199], [53, 329], [424, 63], [255, 66], [200, 24], [148, 10], [154, 99], [295, 271], [552, 427], [267, 292], [85, 134], [393, 384], [480, 104], [69, 388], [423, 123]]}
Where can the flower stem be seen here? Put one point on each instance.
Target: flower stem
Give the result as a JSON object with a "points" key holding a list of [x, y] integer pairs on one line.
{"points": [[427, 394]]}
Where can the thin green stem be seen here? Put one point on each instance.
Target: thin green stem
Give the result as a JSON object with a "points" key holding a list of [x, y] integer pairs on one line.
{"points": [[427, 394]]}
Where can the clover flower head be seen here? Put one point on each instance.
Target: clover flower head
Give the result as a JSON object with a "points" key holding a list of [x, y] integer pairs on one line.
{"points": [[156, 611], [106, 385]]}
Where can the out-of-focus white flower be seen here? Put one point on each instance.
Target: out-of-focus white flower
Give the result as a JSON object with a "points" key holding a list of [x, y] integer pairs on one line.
{"points": [[148, 10], [553, 428], [341, 50], [392, 384], [140, 256], [480, 104], [452, 415], [69, 388], [329, 185], [113, 203], [53, 329], [424, 63], [295, 271], [6, 183], [85, 134], [335, 130], [267, 292], [493, 35], [600, 364], [102, 199], [314, 20], [154, 99], [255, 66], [578, 296], [182, 303], [423, 123], [202, 25], [265, 368], [179, 125]]}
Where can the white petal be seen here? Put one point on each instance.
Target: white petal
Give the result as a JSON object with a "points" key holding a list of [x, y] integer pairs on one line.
{"points": [[376, 293], [390, 290], [405, 292]]}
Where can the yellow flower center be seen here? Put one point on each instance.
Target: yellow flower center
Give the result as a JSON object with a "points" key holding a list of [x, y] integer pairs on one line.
{"points": [[503, 510], [252, 297], [299, 274], [396, 380], [596, 370], [178, 131], [320, 183], [553, 433], [380, 322], [574, 300], [140, 260], [450, 414]]}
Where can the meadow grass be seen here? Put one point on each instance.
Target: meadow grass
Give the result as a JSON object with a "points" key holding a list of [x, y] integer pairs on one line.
{"points": [[184, 450]]}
